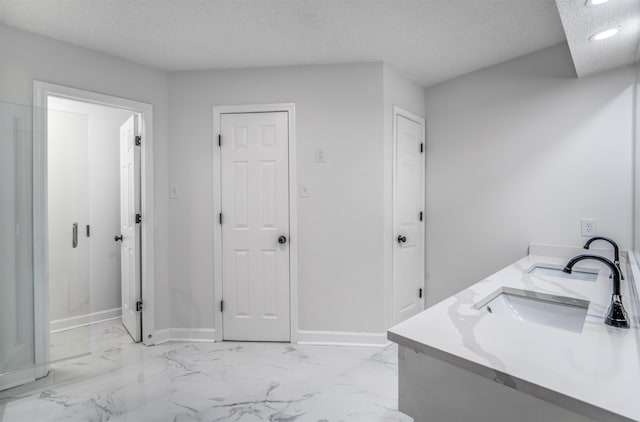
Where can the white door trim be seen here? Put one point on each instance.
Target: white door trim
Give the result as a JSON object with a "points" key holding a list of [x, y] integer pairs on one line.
{"points": [[293, 216], [41, 92], [399, 111]]}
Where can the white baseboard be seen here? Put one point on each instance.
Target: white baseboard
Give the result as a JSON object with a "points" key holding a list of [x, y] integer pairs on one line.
{"points": [[16, 378], [334, 338], [185, 334], [342, 338], [82, 320]]}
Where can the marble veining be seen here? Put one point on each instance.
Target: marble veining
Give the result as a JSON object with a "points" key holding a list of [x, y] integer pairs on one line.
{"points": [[595, 370], [179, 382]]}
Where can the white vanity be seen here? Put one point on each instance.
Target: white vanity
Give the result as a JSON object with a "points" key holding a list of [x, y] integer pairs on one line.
{"points": [[526, 344]]}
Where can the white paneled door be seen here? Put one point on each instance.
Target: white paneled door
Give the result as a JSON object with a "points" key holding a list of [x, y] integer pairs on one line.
{"points": [[255, 226], [130, 229], [408, 215]]}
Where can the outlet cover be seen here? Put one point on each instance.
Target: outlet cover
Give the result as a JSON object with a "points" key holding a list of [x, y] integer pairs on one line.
{"points": [[589, 227]]}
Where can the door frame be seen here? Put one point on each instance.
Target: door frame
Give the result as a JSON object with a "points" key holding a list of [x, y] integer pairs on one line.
{"points": [[293, 216], [399, 111], [41, 92]]}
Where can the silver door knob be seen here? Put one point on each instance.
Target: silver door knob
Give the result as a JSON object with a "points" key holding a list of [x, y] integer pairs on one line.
{"points": [[282, 240], [118, 238], [402, 239]]}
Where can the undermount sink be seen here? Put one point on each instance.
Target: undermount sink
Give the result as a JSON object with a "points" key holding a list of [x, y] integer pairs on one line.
{"points": [[550, 270], [565, 313]]}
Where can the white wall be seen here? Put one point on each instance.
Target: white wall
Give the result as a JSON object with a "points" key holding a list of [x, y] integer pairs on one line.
{"points": [[340, 243], [515, 153], [26, 57], [518, 153], [405, 93], [103, 206]]}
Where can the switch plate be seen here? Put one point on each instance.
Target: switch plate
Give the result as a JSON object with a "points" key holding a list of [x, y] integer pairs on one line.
{"points": [[320, 155], [589, 226], [174, 191], [304, 191]]}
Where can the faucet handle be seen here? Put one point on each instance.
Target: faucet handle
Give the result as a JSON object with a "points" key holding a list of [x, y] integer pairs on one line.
{"points": [[616, 314]]}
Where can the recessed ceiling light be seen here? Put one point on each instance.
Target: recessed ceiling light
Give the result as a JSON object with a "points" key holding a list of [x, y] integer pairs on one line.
{"points": [[593, 3], [604, 34]]}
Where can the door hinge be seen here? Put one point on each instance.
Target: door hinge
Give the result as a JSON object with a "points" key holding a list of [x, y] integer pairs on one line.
{"points": [[138, 141], [138, 219], [421, 147], [219, 140], [139, 306], [420, 292], [421, 216], [220, 218], [222, 306]]}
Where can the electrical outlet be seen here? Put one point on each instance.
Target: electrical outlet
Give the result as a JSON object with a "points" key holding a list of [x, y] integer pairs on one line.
{"points": [[589, 226], [304, 191]]}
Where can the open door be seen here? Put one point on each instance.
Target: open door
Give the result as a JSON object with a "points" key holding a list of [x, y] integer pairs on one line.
{"points": [[130, 222]]}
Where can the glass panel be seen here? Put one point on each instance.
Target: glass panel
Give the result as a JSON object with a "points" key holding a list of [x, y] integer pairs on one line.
{"points": [[16, 248], [37, 315]]}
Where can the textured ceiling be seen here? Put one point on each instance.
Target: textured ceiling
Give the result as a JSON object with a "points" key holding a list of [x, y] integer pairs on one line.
{"points": [[427, 40], [580, 22]]}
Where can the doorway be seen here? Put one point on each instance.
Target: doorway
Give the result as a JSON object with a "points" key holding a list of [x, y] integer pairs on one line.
{"points": [[130, 187], [255, 230], [84, 215], [408, 213]]}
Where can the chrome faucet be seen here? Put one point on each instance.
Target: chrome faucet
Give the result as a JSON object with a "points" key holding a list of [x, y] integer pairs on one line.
{"points": [[616, 314], [616, 251]]}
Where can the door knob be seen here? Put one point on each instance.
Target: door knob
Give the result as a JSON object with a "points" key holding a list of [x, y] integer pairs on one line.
{"points": [[402, 239], [282, 240], [118, 238]]}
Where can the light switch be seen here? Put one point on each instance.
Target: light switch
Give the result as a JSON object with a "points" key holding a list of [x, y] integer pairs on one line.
{"points": [[174, 191], [320, 155], [304, 191]]}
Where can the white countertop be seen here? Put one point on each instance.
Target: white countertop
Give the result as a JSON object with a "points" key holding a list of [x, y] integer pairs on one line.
{"points": [[596, 372]]}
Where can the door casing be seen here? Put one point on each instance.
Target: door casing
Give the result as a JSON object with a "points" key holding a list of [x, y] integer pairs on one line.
{"points": [[217, 209], [41, 92]]}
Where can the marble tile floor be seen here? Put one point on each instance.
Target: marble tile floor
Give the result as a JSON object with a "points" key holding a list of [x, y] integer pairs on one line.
{"points": [[80, 341], [228, 381]]}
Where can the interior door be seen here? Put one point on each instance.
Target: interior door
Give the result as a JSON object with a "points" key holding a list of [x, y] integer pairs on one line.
{"points": [[408, 216], [255, 226], [130, 229]]}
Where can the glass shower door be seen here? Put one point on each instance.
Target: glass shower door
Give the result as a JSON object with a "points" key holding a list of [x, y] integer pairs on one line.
{"points": [[25, 313], [16, 240]]}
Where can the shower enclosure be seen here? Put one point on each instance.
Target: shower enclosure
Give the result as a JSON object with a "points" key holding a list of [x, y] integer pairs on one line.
{"points": [[25, 337]]}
